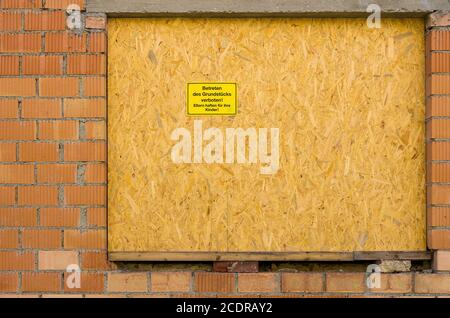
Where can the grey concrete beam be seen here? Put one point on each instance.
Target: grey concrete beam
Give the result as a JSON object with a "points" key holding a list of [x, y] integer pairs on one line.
{"points": [[264, 8]]}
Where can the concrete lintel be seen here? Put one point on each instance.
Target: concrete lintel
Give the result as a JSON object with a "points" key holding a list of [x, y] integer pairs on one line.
{"points": [[264, 8]]}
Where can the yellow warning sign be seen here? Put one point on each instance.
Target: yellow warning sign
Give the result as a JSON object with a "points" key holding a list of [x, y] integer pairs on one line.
{"points": [[211, 99]]}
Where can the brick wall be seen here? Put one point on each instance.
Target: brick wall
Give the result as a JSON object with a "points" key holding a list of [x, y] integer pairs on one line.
{"points": [[53, 175], [438, 138]]}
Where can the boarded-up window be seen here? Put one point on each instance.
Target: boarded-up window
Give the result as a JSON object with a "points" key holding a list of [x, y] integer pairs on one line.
{"points": [[349, 105]]}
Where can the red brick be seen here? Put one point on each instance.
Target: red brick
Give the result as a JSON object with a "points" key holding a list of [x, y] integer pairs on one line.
{"points": [[38, 195], [45, 20], [9, 65], [127, 282], [16, 173], [7, 152], [18, 217], [441, 261], [94, 22], [85, 195], [437, 150], [41, 108], [439, 40], [9, 108], [20, 42], [9, 238], [58, 130], [438, 216], [89, 283], [438, 19], [258, 282], [440, 84], [345, 282], [58, 87], [60, 217], [17, 87], [439, 239], [85, 151], [440, 62], [84, 108], [96, 216], [57, 173], [41, 282], [438, 172], [214, 282], [65, 42], [95, 130], [94, 86], [20, 4], [438, 128], [438, 106], [432, 283], [63, 4], [42, 65], [301, 282], [95, 173], [171, 281], [10, 21], [57, 260], [395, 283], [86, 64], [90, 239], [32, 238], [7, 195], [97, 42], [38, 151], [96, 260], [9, 282], [15, 261], [17, 130], [438, 194]]}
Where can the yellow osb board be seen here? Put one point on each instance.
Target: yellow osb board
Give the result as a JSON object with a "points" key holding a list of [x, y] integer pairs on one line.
{"points": [[349, 103]]}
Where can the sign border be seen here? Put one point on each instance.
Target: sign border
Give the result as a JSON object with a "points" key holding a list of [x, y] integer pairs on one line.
{"points": [[235, 99]]}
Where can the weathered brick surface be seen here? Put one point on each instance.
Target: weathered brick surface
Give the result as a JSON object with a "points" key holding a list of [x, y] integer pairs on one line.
{"points": [[56, 260], [345, 282], [441, 261], [302, 282], [258, 282], [96, 22], [395, 283], [171, 281], [90, 283], [127, 282], [432, 284]]}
